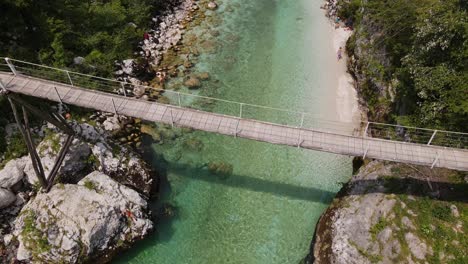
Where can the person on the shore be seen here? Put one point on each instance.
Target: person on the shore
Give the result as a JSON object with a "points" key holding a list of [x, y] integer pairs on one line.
{"points": [[339, 53]]}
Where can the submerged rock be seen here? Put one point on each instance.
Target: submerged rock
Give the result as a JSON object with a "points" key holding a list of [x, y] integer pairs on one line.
{"points": [[212, 5], [85, 221], [192, 83], [204, 76]]}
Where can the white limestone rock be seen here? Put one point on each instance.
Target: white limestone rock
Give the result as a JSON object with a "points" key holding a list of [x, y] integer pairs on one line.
{"points": [[6, 198], [72, 165], [417, 247], [127, 66], [13, 172], [97, 216], [212, 5], [112, 123], [124, 166], [79, 60]]}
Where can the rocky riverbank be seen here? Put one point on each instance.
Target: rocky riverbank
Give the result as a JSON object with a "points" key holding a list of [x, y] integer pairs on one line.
{"points": [[388, 212], [97, 207], [167, 53], [395, 213]]}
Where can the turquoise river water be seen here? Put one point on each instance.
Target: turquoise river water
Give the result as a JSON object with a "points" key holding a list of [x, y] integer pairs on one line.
{"points": [[275, 53]]}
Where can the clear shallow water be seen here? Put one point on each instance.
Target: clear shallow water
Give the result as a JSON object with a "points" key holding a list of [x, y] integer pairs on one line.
{"points": [[274, 53]]}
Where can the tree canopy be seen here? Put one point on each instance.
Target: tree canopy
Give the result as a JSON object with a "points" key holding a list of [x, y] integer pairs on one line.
{"points": [[426, 42], [53, 32]]}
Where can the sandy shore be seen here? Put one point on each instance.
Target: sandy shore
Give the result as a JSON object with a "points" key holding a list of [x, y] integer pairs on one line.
{"points": [[346, 95]]}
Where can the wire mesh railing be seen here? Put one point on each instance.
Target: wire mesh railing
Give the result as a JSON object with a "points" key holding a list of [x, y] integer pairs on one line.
{"points": [[238, 109]]}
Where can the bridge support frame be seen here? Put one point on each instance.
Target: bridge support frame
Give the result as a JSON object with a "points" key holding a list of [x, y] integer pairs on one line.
{"points": [[53, 118], [58, 95]]}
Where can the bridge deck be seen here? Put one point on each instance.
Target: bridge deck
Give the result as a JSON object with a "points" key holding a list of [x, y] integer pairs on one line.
{"points": [[245, 128]]}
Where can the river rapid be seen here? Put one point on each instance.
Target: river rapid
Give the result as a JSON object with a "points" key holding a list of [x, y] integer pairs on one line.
{"points": [[275, 53]]}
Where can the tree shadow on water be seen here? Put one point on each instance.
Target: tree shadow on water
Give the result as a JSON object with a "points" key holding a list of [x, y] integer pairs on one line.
{"points": [[433, 189]]}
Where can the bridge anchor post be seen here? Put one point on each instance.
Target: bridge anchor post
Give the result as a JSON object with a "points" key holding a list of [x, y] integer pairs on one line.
{"points": [[367, 128], [11, 66], [69, 78], [240, 109], [123, 89], [432, 137]]}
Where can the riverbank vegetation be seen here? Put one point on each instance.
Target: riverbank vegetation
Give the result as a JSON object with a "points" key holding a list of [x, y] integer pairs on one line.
{"points": [[96, 33], [411, 58]]}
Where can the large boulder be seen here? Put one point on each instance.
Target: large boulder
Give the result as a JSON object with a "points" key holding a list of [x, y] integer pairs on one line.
{"points": [[112, 123], [6, 198], [123, 165], [13, 172], [96, 217]]}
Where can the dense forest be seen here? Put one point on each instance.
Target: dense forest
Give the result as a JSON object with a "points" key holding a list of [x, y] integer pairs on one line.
{"points": [[54, 32], [420, 49]]}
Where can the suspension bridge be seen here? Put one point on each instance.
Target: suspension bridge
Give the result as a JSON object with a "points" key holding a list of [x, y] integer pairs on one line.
{"points": [[389, 142]]}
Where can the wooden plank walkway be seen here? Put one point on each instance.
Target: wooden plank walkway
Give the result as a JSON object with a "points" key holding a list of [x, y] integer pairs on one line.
{"points": [[245, 128]]}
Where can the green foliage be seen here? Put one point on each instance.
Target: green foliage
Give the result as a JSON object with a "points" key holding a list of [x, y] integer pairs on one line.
{"points": [[54, 32], [372, 258], [435, 223], [35, 240], [349, 9], [93, 161], [378, 227], [51, 140], [426, 44], [442, 212], [90, 185], [16, 148]]}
